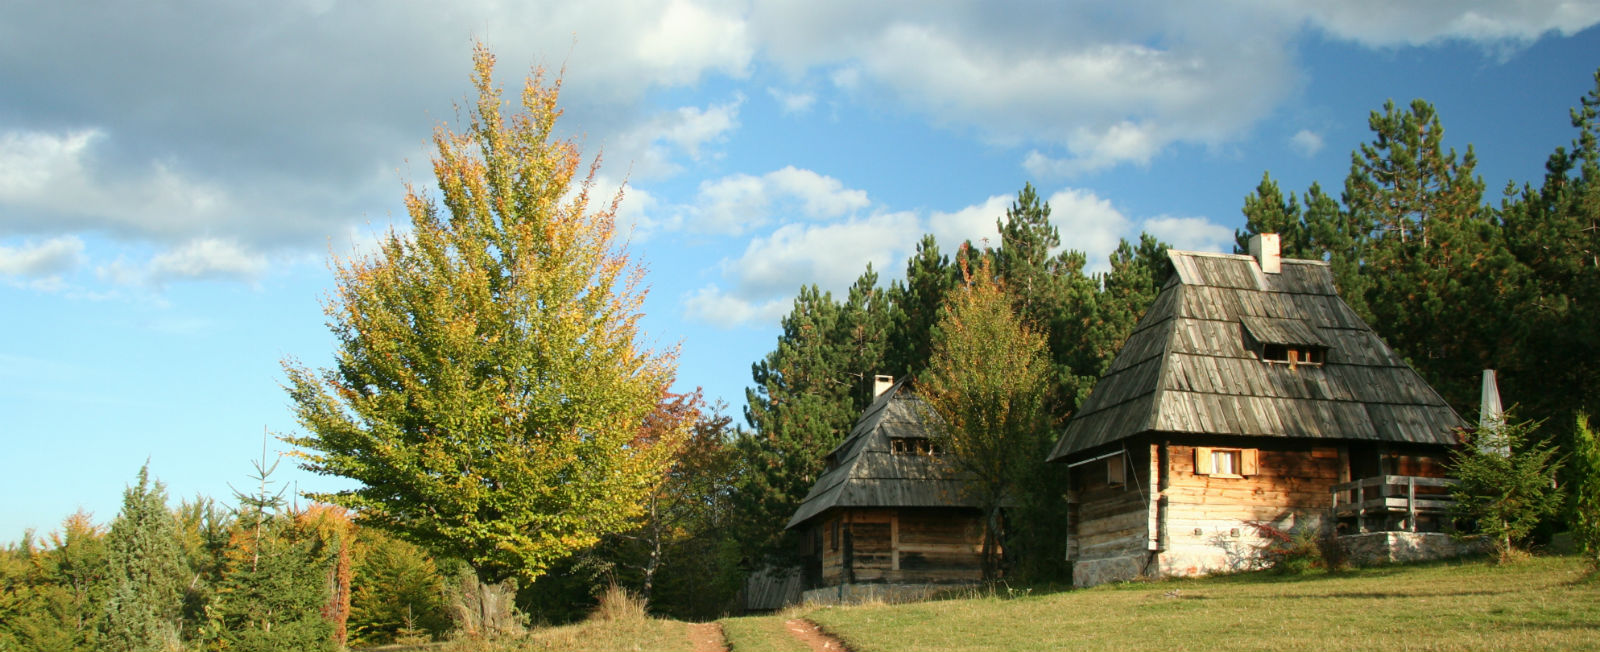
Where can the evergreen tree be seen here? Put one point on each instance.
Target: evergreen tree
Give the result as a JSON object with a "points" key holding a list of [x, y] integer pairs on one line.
{"points": [[1554, 231], [489, 385], [274, 582], [916, 302], [1267, 210], [399, 592], [144, 607], [1504, 486], [1435, 260]]}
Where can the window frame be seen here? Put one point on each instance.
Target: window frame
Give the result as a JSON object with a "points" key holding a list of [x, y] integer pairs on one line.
{"points": [[1247, 461]]}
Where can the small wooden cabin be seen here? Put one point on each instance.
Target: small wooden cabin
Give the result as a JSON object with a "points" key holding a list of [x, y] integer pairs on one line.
{"points": [[884, 511], [1248, 395]]}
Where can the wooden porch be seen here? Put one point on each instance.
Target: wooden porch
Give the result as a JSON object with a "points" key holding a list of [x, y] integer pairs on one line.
{"points": [[1392, 503]]}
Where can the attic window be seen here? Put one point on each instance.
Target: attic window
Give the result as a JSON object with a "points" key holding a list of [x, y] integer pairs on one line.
{"points": [[1284, 341], [1294, 355], [913, 446]]}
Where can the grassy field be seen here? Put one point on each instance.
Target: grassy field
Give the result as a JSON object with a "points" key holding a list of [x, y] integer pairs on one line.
{"points": [[1546, 603], [1537, 604]]}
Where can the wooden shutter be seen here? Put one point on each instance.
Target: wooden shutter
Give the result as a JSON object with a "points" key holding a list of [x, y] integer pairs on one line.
{"points": [[1249, 461], [1202, 460]]}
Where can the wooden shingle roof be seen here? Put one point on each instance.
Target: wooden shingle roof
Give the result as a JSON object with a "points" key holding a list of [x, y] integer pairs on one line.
{"points": [[1192, 365], [865, 472]]}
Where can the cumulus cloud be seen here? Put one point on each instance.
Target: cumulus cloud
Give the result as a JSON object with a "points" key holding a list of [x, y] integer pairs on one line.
{"points": [[197, 260], [1306, 142], [712, 305], [737, 203], [41, 260], [1191, 233], [1381, 24], [792, 103]]}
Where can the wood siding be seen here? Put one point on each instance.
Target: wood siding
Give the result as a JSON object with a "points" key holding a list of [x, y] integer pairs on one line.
{"points": [[902, 546]]}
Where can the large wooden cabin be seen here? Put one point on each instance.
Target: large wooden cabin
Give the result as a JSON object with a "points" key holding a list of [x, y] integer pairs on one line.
{"points": [[1248, 397], [885, 518]]}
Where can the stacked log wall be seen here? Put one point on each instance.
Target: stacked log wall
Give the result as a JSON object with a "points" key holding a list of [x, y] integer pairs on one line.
{"points": [[913, 546], [1217, 523]]}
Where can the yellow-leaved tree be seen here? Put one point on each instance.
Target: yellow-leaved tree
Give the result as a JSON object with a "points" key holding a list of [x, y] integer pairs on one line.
{"points": [[985, 386], [489, 389]]}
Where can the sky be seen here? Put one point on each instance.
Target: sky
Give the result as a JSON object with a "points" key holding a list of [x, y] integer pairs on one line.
{"points": [[175, 176]]}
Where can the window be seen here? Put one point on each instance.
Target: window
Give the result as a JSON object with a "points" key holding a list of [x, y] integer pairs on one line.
{"points": [[1294, 356], [913, 446], [1226, 462], [1116, 471]]}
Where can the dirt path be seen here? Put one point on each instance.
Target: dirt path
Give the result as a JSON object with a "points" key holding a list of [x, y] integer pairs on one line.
{"points": [[813, 636], [707, 637]]}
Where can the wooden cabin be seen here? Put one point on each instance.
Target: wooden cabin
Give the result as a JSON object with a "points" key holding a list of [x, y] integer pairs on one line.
{"points": [[1248, 396], [885, 516]]}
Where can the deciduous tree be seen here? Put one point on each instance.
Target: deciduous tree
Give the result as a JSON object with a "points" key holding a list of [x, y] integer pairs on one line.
{"points": [[986, 386], [489, 384]]}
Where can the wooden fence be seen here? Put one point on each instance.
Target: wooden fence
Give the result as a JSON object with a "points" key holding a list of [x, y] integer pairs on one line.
{"points": [[1385, 496]]}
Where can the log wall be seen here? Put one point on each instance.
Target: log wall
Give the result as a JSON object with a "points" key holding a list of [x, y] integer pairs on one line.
{"points": [[1109, 527], [1207, 519], [905, 545]]}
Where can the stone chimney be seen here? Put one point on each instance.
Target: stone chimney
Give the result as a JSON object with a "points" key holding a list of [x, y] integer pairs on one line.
{"points": [[1264, 248], [881, 384]]}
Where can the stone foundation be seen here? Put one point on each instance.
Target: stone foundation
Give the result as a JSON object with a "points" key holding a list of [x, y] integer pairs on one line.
{"points": [[1395, 547], [1089, 572], [890, 593]]}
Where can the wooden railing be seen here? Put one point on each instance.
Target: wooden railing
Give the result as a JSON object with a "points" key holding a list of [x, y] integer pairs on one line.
{"points": [[1387, 495]]}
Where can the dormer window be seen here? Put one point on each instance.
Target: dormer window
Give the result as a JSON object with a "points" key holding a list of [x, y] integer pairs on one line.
{"points": [[913, 446], [1293, 355], [1284, 341]]}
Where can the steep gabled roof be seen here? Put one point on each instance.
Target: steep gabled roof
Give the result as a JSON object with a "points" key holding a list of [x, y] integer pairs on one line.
{"points": [[1193, 365], [863, 470]]}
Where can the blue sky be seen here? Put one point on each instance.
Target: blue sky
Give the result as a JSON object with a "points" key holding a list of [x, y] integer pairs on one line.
{"points": [[175, 175]]}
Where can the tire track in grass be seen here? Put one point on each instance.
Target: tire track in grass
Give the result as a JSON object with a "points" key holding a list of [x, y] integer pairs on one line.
{"points": [[812, 635], [707, 637]]}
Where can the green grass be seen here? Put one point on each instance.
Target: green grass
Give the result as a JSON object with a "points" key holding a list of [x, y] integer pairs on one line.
{"points": [[760, 634], [1541, 603]]}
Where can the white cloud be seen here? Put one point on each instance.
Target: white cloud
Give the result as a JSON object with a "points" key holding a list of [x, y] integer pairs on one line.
{"points": [[792, 103], [1090, 224], [198, 259], [688, 39], [740, 202], [765, 277], [712, 305], [1377, 23], [1306, 143], [644, 146], [977, 223], [42, 260], [1191, 233]]}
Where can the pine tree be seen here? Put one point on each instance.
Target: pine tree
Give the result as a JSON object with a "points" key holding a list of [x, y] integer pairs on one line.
{"points": [[274, 583], [144, 608], [916, 303], [802, 405], [1434, 260], [489, 385], [1267, 210], [1504, 483]]}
